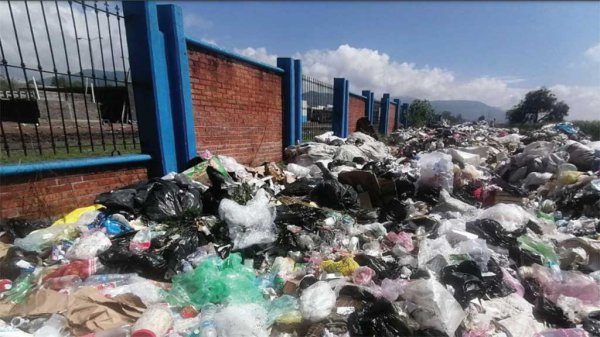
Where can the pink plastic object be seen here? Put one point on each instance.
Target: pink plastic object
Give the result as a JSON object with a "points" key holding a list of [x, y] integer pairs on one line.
{"points": [[513, 282], [573, 284], [576, 332], [363, 275], [402, 238], [391, 289]]}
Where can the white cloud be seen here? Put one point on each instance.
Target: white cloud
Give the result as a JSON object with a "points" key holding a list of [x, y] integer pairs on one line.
{"points": [[593, 53], [193, 23], [259, 54], [370, 69]]}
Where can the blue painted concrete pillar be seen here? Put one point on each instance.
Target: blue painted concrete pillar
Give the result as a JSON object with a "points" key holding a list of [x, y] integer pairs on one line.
{"points": [[370, 105], [170, 22], [385, 111], [151, 90], [397, 114], [289, 105], [298, 120], [341, 96]]}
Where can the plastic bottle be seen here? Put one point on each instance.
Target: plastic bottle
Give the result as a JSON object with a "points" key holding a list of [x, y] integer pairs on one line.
{"points": [[108, 278], [207, 320], [140, 241], [55, 326], [155, 322]]}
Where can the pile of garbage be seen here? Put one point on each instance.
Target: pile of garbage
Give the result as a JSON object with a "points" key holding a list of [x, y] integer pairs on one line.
{"points": [[466, 230]]}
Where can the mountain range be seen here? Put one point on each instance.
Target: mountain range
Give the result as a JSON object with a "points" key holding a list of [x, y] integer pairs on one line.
{"points": [[469, 110]]}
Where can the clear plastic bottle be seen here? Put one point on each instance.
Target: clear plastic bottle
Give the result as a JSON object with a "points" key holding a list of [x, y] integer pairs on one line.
{"points": [[55, 326], [207, 321]]}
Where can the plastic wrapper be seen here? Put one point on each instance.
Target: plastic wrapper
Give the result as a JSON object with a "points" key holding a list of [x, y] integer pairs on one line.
{"points": [[567, 283], [21, 288], [317, 301], [146, 290], [435, 306], [56, 326], [436, 170], [576, 332], [44, 238], [433, 253], [81, 268], [242, 320], [216, 281], [141, 241], [591, 323], [89, 246], [250, 224], [17, 261], [391, 289], [402, 239]]}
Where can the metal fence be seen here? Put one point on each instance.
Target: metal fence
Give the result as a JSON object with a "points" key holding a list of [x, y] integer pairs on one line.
{"points": [[64, 82], [376, 115], [317, 107]]}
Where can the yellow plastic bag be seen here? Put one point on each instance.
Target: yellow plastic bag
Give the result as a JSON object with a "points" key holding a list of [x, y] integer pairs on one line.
{"points": [[569, 177], [345, 266], [76, 214]]}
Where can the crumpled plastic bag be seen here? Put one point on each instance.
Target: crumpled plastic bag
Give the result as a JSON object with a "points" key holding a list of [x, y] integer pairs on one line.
{"points": [[435, 307], [377, 319], [433, 254], [40, 239], [242, 320], [251, 224], [317, 301], [436, 170], [345, 266], [88, 246], [511, 217]]}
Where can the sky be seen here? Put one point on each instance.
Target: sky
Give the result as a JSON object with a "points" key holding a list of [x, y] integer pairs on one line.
{"points": [[493, 52]]}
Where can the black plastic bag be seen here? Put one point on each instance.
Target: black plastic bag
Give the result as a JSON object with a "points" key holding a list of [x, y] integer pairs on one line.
{"points": [[395, 210], [333, 194], [148, 264], [299, 215], [466, 280], [493, 233], [20, 228], [8, 264], [377, 319], [591, 323], [405, 187], [383, 270], [119, 200], [167, 200], [548, 312], [301, 187], [494, 285]]}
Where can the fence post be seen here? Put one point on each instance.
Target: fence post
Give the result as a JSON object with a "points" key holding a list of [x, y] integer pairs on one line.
{"points": [[397, 115], [298, 101], [383, 117], [150, 81], [288, 93], [405, 114], [339, 119], [170, 21], [370, 105]]}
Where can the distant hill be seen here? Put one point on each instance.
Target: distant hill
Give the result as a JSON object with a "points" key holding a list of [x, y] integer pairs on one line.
{"points": [[470, 110]]}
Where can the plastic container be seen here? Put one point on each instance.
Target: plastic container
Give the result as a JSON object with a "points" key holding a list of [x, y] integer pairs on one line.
{"points": [[55, 326], [207, 321], [155, 322], [140, 241]]}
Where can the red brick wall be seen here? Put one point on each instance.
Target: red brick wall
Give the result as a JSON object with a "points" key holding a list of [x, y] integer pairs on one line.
{"points": [[356, 110], [391, 118], [48, 195], [237, 108]]}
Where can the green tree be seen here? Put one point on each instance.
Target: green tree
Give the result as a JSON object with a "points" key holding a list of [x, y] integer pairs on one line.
{"points": [[420, 112], [481, 118], [538, 105]]}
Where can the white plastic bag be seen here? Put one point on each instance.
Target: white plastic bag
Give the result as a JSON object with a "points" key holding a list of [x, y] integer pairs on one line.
{"points": [[317, 301], [242, 320], [436, 170], [433, 254], [511, 217], [250, 224], [435, 307], [89, 246]]}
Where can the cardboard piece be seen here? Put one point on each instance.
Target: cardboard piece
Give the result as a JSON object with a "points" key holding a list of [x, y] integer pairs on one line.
{"points": [[86, 310]]}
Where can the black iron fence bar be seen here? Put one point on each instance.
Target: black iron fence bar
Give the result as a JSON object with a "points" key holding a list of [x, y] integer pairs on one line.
{"points": [[62, 33], [319, 100], [26, 80], [62, 114], [87, 114], [36, 128], [37, 56], [107, 11], [128, 104]]}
